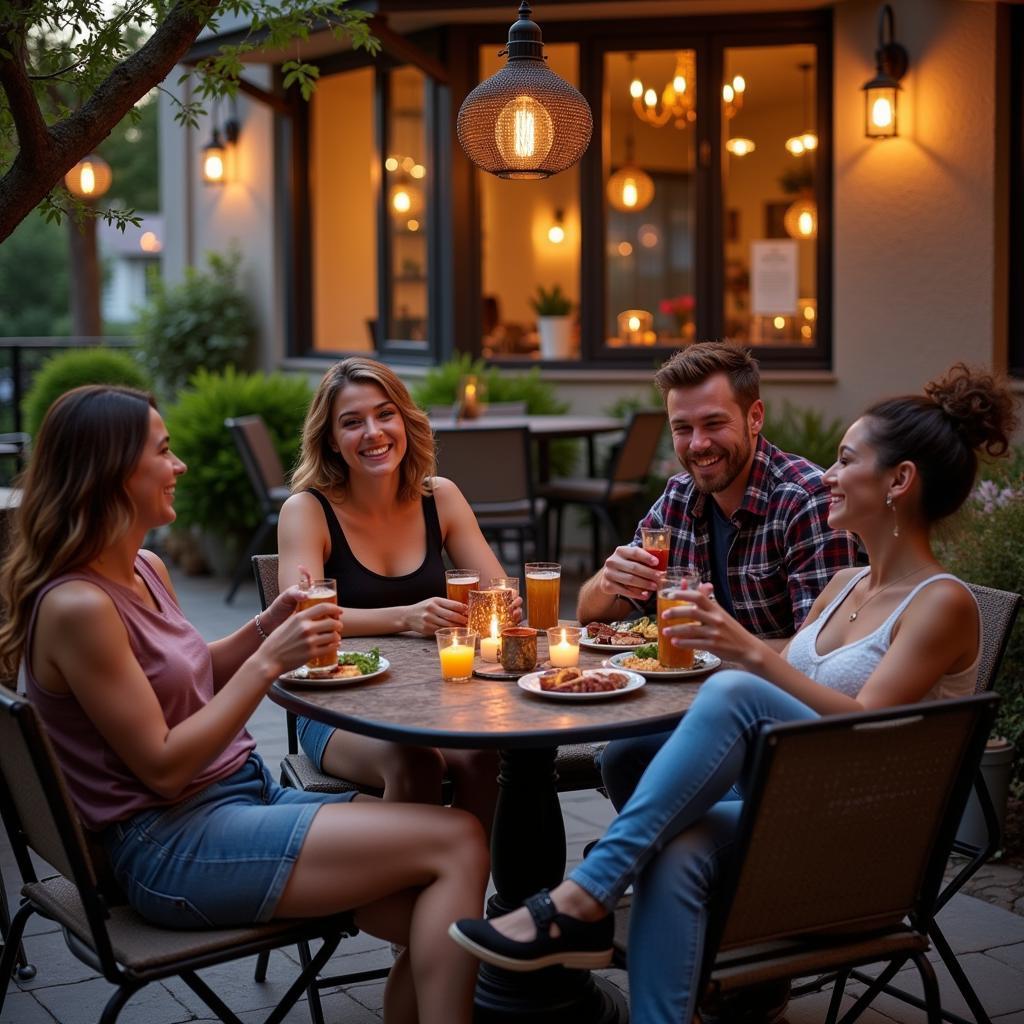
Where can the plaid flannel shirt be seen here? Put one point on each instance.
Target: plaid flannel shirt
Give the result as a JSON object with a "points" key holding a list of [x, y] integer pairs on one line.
{"points": [[784, 551]]}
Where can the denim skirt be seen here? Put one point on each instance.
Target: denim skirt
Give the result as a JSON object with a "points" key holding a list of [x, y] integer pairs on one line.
{"points": [[219, 859]]}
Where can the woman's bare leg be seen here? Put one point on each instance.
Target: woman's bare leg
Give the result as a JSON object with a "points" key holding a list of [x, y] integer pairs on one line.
{"points": [[364, 854], [474, 775], [406, 774]]}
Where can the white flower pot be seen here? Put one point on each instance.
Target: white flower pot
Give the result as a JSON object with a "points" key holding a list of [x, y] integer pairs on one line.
{"points": [[996, 764], [555, 337]]}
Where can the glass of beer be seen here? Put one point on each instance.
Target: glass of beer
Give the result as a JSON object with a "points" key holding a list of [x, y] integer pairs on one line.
{"points": [[320, 592], [542, 584], [656, 541], [460, 582], [670, 595]]}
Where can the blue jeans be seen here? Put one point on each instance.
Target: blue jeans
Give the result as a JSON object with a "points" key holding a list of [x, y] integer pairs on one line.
{"points": [[674, 834]]}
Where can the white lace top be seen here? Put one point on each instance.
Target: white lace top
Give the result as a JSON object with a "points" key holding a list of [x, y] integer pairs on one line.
{"points": [[847, 669]]}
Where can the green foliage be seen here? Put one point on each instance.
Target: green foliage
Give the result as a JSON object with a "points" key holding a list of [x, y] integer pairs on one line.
{"points": [[131, 149], [551, 302], [984, 546], [804, 432], [70, 370], [665, 463], [215, 493], [205, 321], [441, 384], [34, 281]]}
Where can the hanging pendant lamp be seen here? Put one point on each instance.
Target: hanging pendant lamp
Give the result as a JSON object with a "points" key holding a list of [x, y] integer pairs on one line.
{"points": [[524, 121]]}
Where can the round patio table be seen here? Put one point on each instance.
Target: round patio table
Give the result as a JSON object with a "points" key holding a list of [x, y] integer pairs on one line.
{"points": [[410, 704]]}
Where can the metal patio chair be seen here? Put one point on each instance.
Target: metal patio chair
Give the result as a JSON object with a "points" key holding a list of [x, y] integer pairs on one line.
{"points": [[807, 891], [99, 928]]}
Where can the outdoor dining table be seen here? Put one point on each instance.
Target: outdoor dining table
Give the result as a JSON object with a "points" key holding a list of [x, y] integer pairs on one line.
{"points": [[544, 429], [410, 704]]}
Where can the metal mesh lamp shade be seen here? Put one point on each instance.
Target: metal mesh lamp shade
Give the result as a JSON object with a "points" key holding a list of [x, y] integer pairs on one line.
{"points": [[525, 121]]}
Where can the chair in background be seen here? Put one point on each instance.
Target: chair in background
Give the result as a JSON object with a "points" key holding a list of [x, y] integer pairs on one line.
{"points": [[266, 474], [621, 489], [493, 467], [808, 890], [99, 928], [999, 610]]}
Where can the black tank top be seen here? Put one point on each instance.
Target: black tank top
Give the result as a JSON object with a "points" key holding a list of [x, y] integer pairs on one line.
{"points": [[358, 587]]}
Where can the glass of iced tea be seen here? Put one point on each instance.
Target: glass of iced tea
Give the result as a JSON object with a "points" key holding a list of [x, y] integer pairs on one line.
{"points": [[320, 592], [460, 582], [656, 541], [670, 595], [542, 585]]}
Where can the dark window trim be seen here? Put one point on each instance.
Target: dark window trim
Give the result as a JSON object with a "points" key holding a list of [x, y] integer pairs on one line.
{"points": [[1015, 263]]}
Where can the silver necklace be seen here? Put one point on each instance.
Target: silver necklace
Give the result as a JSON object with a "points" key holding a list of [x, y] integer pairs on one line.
{"points": [[868, 600]]}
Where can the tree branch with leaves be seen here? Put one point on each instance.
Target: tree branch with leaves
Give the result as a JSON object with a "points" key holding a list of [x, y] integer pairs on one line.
{"points": [[70, 70]]}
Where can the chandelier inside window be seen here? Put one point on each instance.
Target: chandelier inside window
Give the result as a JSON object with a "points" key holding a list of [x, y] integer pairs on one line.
{"points": [[677, 102]]}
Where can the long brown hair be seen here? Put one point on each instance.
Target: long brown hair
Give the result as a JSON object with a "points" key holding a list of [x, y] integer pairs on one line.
{"points": [[74, 498], [323, 468]]}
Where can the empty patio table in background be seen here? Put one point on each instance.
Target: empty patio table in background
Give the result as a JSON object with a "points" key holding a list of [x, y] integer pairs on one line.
{"points": [[544, 430], [410, 704]]}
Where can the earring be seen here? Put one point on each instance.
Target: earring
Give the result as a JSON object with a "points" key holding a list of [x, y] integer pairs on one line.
{"points": [[891, 503]]}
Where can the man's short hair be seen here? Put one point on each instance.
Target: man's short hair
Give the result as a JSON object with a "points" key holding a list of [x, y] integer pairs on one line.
{"points": [[696, 363]]}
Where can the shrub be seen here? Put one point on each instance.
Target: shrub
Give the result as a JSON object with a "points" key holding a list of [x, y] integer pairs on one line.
{"points": [[67, 370], [215, 493], [441, 384], [984, 546], [804, 432], [205, 321], [551, 301]]}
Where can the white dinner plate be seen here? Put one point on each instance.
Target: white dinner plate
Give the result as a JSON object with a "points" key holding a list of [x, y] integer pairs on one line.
{"points": [[531, 684], [703, 662], [593, 645], [301, 676]]}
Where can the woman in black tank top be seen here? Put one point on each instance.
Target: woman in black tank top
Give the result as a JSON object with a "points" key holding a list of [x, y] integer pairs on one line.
{"points": [[368, 511]]}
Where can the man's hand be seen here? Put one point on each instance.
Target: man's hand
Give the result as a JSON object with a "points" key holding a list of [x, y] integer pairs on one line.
{"points": [[631, 572]]}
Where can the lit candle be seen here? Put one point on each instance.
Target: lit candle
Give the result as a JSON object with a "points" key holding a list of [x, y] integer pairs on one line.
{"points": [[564, 646], [456, 661], [490, 646]]}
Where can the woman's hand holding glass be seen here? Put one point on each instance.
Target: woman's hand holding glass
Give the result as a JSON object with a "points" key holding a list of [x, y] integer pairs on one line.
{"points": [[709, 627], [435, 613], [305, 635]]}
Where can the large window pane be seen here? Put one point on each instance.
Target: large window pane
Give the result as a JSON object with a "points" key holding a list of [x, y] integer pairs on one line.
{"points": [[406, 182], [343, 220], [770, 201], [649, 163], [530, 239]]}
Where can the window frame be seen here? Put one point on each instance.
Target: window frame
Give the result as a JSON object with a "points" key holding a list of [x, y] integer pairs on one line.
{"points": [[1015, 262]]}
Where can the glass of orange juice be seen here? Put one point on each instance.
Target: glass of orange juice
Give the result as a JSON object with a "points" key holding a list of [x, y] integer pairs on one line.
{"points": [[320, 592], [670, 595], [543, 580], [459, 582]]}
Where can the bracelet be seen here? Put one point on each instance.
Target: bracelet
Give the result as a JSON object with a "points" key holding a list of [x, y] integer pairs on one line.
{"points": [[261, 632]]}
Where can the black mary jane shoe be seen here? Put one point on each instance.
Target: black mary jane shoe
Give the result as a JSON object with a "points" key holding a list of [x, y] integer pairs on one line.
{"points": [[581, 944]]}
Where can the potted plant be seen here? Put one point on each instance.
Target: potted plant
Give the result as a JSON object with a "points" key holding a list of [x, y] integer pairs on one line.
{"points": [[554, 324]]}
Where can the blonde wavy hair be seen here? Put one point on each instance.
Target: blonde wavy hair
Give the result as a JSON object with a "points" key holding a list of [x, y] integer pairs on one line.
{"points": [[323, 468], [74, 499]]}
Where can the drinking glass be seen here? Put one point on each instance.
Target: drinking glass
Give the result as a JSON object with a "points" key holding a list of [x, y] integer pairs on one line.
{"points": [[505, 583], [459, 582], [542, 585], [456, 646], [670, 595], [656, 541], [320, 592], [564, 646]]}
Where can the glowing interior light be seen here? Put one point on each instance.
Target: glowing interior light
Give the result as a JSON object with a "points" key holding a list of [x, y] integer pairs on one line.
{"points": [[88, 179], [679, 84], [795, 145], [629, 192], [634, 323], [728, 93], [808, 312], [408, 163], [418, 171], [636, 88], [739, 83], [556, 234], [625, 249], [805, 223], [148, 242], [805, 331], [524, 133], [809, 140], [651, 98], [779, 322], [213, 167], [391, 163], [740, 146], [401, 201], [881, 113], [413, 224]]}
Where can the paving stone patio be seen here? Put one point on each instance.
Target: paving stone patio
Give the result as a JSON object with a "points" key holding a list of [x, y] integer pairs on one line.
{"points": [[989, 937]]}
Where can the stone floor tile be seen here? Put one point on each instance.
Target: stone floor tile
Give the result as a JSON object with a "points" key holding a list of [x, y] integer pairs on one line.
{"points": [[22, 1008], [84, 1002], [811, 1009], [1012, 955], [369, 995], [972, 925], [1010, 1018]]}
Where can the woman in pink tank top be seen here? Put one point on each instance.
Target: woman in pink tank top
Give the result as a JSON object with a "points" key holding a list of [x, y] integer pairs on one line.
{"points": [[148, 721]]}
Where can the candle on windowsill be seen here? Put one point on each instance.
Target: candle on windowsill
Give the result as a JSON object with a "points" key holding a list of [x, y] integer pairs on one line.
{"points": [[490, 646], [564, 646], [634, 325]]}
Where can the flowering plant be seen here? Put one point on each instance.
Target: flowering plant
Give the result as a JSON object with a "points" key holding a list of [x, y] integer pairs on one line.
{"points": [[680, 306]]}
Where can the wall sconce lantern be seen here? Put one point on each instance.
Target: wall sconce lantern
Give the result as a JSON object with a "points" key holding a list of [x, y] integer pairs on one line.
{"points": [[524, 121], [89, 178], [214, 153], [881, 93]]}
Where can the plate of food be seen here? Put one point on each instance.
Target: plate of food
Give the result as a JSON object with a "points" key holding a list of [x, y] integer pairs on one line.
{"points": [[619, 636], [580, 684], [352, 667], [645, 661]]}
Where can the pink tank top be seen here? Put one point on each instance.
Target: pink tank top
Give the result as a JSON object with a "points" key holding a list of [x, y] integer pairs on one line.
{"points": [[175, 659]]}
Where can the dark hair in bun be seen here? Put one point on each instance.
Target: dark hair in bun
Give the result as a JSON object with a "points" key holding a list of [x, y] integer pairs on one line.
{"points": [[961, 413]]}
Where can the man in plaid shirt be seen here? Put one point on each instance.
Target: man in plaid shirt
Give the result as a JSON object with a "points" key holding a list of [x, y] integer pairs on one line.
{"points": [[747, 517]]}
